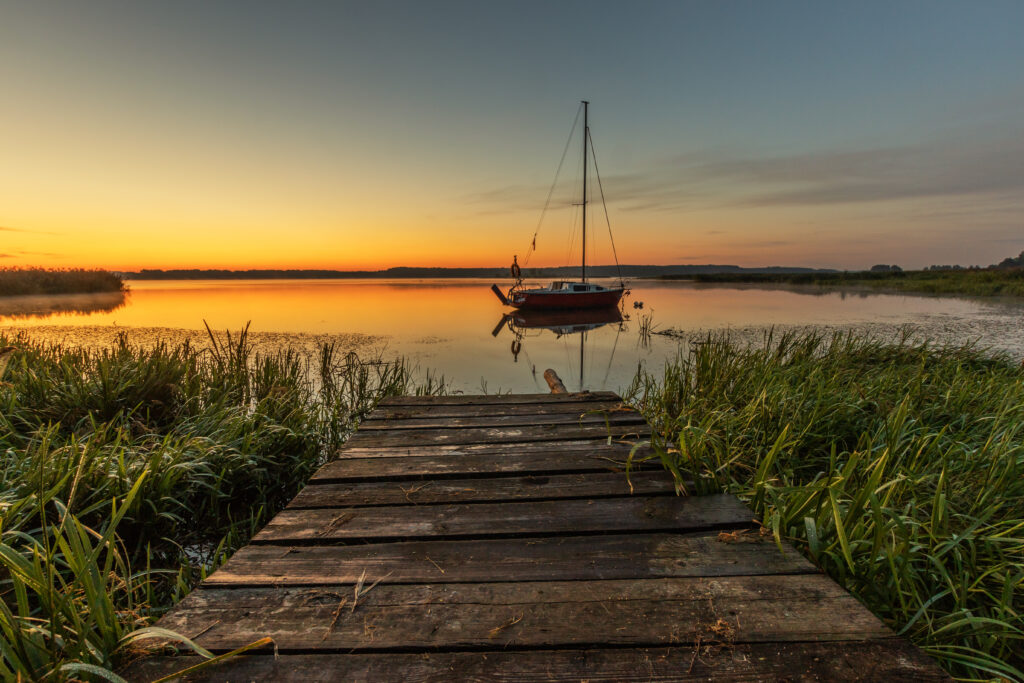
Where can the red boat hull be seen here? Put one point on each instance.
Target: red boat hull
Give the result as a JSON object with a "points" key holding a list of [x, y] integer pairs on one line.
{"points": [[556, 318], [535, 300]]}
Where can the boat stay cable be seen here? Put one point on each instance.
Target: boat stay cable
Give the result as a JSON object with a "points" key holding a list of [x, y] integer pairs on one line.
{"points": [[551, 192], [611, 357], [604, 204], [574, 228]]}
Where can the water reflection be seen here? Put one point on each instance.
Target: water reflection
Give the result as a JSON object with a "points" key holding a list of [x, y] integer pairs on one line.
{"points": [[48, 305], [561, 324], [445, 325]]}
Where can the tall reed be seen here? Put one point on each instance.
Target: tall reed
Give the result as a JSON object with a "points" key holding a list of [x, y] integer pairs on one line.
{"points": [[897, 468], [129, 473], [969, 282]]}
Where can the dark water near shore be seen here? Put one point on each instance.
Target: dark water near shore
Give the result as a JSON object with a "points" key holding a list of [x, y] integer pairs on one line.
{"points": [[456, 327]]}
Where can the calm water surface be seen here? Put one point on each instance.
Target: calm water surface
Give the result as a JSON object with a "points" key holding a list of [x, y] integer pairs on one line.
{"points": [[457, 327]]}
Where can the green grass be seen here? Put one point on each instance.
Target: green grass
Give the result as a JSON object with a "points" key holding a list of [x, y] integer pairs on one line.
{"points": [[1008, 282], [128, 474], [28, 281], [897, 468]]}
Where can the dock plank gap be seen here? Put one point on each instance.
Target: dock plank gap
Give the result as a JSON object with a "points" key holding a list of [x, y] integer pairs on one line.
{"points": [[520, 537]]}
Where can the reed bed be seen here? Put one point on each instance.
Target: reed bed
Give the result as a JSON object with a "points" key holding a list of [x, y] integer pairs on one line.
{"points": [[646, 329], [29, 281], [967, 282], [897, 467], [130, 472]]}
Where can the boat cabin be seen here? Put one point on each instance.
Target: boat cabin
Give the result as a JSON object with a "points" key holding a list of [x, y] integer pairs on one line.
{"points": [[567, 286]]}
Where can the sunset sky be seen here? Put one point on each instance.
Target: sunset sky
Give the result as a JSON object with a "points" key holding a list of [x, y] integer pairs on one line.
{"points": [[371, 134]]}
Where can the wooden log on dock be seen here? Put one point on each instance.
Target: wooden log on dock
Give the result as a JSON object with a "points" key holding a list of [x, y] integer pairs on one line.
{"points": [[555, 382]]}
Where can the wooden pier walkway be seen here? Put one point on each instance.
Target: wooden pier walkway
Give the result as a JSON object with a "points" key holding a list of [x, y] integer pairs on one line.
{"points": [[497, 538]]}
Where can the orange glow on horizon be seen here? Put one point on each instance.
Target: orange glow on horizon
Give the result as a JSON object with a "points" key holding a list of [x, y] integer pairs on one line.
{"points": [[466, 242], [176, 217]]}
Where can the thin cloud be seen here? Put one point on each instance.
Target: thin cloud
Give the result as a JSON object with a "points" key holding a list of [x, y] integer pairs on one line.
{"points": [[7, 228], [964, 167], [947, 169], [770, 243], [39, 253], [631, 192]]}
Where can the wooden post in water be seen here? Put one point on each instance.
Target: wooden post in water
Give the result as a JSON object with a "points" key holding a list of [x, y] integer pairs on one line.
{"points": [[551, 377]]}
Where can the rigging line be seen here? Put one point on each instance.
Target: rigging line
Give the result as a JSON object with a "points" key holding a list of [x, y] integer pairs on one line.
{"points": [[551, 191], [569, 340], [572, 230], [533, 367], [615, 345], [607, 220]]}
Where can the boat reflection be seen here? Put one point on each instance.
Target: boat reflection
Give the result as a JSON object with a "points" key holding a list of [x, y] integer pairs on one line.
{"points": [[559, 325], [48, 305], [559, 322]]}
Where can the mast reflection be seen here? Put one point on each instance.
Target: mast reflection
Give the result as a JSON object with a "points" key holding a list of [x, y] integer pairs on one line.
{"points": [[561, 324]]}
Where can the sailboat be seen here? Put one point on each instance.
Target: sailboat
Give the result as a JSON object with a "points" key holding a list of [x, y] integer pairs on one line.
{"points": [[565, 294]]}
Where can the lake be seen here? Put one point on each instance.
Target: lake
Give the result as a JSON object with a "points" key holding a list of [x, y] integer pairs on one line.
{"points": [[457, 328]]}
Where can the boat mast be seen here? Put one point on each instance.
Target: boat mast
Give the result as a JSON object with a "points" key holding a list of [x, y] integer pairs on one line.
{"points": [[586, 134]]}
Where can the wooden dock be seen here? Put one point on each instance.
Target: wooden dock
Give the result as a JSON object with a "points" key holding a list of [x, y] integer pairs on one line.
{"points": [[497, 538]]}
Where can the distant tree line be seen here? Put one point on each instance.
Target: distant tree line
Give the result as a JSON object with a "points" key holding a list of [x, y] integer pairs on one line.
{"points": [[1012, 262], [1009, 262]]}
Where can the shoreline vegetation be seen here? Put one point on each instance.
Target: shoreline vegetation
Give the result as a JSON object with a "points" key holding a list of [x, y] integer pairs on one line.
{"points": [[969, 282], [42, 281], [896, 467], [132, 472], [993, 281], [679, 271]]}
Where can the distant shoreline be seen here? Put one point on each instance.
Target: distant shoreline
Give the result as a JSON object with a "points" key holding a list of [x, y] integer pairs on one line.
{"points": [[993, 281], [412, 272]]}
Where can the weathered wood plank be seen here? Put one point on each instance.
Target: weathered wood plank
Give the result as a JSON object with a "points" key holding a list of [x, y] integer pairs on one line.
{"points": [[490, 534], [574, 516], [563, 558], [488, 464], [844, 662], [648, 612], [555, 449], [573, 418], [495, 435], [494, 489], [501, 399], [491, 409]]}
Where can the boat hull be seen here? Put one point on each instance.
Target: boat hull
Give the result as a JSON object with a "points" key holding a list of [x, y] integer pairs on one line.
{"points": [[565, 320], [547, 300]]}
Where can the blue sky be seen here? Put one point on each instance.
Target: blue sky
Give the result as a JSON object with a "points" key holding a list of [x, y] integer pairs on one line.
{"points": [[798, 133]]}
